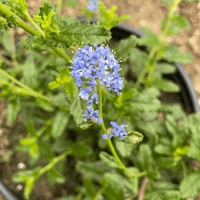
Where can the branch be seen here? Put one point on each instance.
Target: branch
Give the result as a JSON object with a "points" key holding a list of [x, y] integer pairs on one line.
{"points": [[142, 188]]}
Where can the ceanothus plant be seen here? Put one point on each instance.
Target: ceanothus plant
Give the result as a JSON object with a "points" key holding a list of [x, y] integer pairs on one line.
{"points": [[101, 68], [106, 100]]}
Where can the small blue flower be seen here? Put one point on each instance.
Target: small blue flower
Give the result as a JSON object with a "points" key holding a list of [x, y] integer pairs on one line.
{"points": [[105, 137], [93, 5], [118, 130], [90, 65]]}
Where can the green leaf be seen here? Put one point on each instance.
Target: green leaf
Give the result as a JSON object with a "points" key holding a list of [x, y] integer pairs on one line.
{"points": [[164, 68], [12, 110], [138, 61], [133, 137], [18, 6], [70, 197], [191, 0], [178, 22], [144, 157], [190, 186], [77, 33], [70, 3], [167, 2], [163, 195], [54, 176], [175, 110], [46, 149], [123, 148], [149, 39], [59, 123], [78, 149], [172, 54], [36, 42], [3, 23], [53, 85], [114, 178], [165, 162], [165, 85], [125, 48], [85, 125], [108, 159], [162, 149], [75, 110], [91, 189], [194, 151], [109, 19], [92, 170]]}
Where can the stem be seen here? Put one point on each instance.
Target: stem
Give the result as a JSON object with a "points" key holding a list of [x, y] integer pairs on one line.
{"points": [[29, 90], [41, 131], [61, 53], [184, 169], [59, 8], [53, 162], [142, 189], [122, 166], [13, 53], [100, 191], [21, 23], [34, 24]]}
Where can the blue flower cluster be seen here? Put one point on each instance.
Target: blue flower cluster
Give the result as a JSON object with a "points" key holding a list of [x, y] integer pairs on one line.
{"points": [[93, 5], [116, 131], [90, 65]]}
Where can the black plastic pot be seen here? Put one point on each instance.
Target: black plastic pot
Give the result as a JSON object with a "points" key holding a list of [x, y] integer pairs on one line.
{"points": [[187, 93]]}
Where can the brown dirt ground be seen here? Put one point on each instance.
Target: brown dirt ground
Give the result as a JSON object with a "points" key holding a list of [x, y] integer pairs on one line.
{"points": [[144, 13]]}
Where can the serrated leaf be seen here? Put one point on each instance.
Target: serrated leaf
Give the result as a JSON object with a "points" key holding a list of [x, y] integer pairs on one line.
{"points": [[113, 178], [109, 19], [162, 149], [149, 39], [55, 176], [70, 89], [92, 170], [144, 158], [165, 85], [85, 125], [164, 68], [173, 54], [75, 110], [167, 2], [125, 47], [165, 162], [123, 148], [77, 33], [59, 124], [175, 110], [163, 195], [53, 85], [36, 42], [190, 186], [12, 110], [138, 60], [78, 149], [108, 159], [3, 23], [177, 24], [133, 137]]}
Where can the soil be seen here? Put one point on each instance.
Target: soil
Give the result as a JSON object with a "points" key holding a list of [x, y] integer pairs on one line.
{"points": [[143, 14]]}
